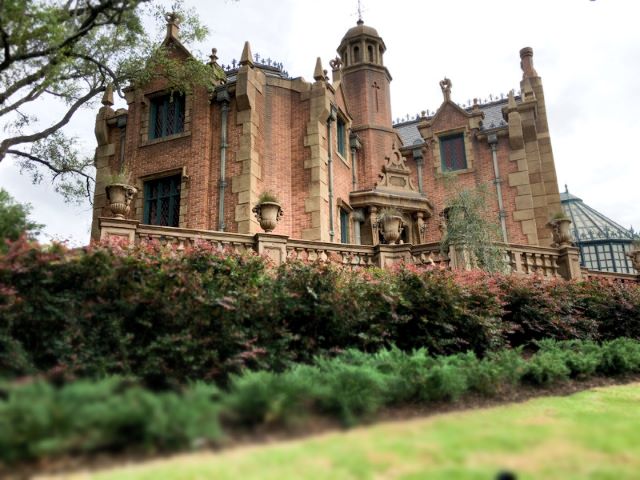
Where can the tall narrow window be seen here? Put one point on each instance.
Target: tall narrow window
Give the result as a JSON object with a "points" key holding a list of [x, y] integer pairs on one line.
{"points": [[370, 51], [162, 201], [452, 153], [341, 137], [344, 226], [167, 116]]}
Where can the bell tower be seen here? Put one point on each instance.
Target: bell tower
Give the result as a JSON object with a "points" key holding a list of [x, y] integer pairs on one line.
{"points": [[366, 82]]}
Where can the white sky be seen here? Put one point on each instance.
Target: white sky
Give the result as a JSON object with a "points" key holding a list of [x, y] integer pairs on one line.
{"points": [[587, 53]]}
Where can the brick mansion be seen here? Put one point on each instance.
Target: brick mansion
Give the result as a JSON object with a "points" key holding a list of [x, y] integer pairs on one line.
{"points": [[328, 151]]}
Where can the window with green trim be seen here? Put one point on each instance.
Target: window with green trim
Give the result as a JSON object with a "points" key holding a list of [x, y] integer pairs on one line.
{"points": [[167, 115], [162, 201], [341, 137], [344, 226], [452, 153]]}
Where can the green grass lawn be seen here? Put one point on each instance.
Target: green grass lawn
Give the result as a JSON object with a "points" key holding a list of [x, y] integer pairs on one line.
{"points": [[593, 434]]}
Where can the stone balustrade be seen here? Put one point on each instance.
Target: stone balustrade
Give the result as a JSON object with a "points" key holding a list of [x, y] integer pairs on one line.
{"points": [[533, 260], [522, 259]]}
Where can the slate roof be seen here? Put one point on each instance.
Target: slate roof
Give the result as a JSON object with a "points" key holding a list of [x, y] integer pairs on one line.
{"points": [[409, 134]]}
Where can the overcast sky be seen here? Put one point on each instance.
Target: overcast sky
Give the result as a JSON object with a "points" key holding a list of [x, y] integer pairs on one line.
{"points": [[587, 53]]}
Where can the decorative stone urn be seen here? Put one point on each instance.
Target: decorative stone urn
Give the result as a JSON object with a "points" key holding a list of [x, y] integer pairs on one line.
{"points": [[392, 228], [560, 231], [119, 196], [268, 215]]}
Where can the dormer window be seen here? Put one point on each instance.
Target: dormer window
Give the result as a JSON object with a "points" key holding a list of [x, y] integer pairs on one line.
{"points": [[452, 153], [166, 115]]}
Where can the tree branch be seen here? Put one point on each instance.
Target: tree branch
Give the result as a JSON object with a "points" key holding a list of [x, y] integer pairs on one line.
{"points": [[88, 179], [9, 142]]}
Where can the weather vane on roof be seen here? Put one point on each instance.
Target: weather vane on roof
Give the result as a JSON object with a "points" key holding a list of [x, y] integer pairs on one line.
{"points": [[359, 13]]}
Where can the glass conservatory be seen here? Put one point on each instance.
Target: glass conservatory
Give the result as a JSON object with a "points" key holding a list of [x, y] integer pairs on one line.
{"points": [[602, 242]]}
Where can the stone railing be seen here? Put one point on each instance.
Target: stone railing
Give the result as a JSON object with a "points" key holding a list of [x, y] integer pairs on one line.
{"points": [[522, 259], [183, 238], [532, 260], [609, 276], [351, 255]]}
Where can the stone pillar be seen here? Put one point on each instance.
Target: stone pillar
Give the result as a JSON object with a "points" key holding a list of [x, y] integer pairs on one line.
{"points": [[272, 246], [245, 185], [569, 263], [459, 258], [389, 255], [116, 230]]}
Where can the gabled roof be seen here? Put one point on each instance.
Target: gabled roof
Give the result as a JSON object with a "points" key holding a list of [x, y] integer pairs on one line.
{"points": [[493, 118], [590, 225]]}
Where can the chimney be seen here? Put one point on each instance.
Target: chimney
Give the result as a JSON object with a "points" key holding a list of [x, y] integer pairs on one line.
{"points": [[173, 25], [526, 63]]}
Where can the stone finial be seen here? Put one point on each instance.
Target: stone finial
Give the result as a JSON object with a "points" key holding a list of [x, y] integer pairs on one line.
{"points": [[526, 63], [318, 72], [246, 57], [511, 102], [173, 24], [335, 64], [445, 86], [213, 58], [107, 98]]}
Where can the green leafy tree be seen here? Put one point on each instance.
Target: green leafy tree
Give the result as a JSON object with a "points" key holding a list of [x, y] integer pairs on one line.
{"points": [[60, 55], [469, 223], [14, 220]]}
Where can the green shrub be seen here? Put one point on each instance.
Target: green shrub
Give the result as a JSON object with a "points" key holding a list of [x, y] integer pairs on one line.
{"points": [[40, 420], [581, 357], [348, 391], [445, 380], [620, 356], [266, 397], [546, 368]]}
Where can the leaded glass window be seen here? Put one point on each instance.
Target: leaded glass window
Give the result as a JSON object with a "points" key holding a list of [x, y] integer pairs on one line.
{"points": [[162, 201], [452, 153], [167, 116], [344, 226], [341, 137]]}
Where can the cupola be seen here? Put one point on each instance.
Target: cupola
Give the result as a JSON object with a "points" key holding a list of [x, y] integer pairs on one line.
{"points": [[361, 45]]}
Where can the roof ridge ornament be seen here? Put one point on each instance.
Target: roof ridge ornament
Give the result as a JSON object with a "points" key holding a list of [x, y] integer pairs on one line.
{"points": [[445, 86]]}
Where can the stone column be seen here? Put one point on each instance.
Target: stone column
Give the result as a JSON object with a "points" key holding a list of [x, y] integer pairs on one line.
{"points": [[569, 263], [116, 230], [272, 246], [390, 255]]}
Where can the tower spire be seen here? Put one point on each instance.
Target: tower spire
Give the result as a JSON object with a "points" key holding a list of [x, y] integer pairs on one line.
{"points": [[360, 21]]}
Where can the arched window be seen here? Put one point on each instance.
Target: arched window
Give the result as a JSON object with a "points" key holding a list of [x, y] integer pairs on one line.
{"points": [[356, 54], [370, 51]]}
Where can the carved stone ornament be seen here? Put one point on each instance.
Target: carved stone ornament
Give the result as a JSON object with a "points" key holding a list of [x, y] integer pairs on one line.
{"points": [[268, 215], [396, 175], [445, 86], [560, 231], [119, 196]]}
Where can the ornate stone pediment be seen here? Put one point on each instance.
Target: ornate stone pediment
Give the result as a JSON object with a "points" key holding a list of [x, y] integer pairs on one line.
{"points": [[396, 176]]}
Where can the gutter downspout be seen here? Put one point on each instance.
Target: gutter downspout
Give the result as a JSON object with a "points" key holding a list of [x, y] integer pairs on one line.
{"points": [[223, 97], [419, 158], [493, 143], [354, 143], [330, 120]]}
